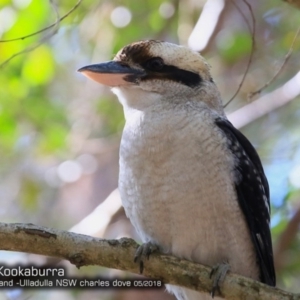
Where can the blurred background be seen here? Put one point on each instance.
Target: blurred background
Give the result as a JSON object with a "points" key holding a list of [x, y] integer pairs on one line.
{"points": [[60, 134]]}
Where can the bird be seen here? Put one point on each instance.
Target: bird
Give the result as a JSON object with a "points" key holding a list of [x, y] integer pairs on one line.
{"points": [[191, 184]]}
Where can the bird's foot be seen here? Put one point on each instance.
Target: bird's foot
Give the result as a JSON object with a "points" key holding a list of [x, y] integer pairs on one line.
{"points": [[142, 252], [218, 273]]}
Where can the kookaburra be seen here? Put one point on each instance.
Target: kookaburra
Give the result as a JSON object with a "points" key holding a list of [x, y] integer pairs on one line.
{"points": [[190, 183]]}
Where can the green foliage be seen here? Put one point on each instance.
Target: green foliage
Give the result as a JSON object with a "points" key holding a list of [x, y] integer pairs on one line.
{"points": [[25, 106], [236, 47], [111, 114], [30, 193], [39, 67]]}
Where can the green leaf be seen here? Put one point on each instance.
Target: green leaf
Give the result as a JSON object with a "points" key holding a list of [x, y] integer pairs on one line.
{"points": [[29, 193], [39, 66], [235, 47]]}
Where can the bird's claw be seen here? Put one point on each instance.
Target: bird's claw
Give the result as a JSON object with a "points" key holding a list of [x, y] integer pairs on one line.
{"points": [[144, 251], [218, 273]]}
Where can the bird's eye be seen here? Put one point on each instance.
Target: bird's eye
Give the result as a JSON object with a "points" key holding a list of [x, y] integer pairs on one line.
{"points": [[155, 64]]}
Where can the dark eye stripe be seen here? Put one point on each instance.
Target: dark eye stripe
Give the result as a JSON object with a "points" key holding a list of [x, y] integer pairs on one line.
{"points": [[172, 73], [140, 56]]}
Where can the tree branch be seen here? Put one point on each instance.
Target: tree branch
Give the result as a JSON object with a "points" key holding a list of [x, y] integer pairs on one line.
{"points": [[267, 103], [285, 60], [295, 3], [285, 239], [83, 250]]}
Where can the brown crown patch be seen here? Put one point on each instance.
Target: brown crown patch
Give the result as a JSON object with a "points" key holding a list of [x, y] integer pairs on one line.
{"points": [[136, 53]]}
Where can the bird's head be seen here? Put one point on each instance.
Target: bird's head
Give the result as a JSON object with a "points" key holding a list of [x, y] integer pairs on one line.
{"points": [[147, 72]]}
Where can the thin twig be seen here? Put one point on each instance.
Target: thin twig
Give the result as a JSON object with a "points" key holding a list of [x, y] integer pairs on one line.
{"points": [[286, 58], [54, 6], [47, 36], [251, 53], [243, 15], [28, 49], [46, 28], [55, 27], [267, 103]]}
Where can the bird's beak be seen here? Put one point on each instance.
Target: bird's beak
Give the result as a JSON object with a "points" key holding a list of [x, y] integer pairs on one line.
{"points": [[112, 73]]}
